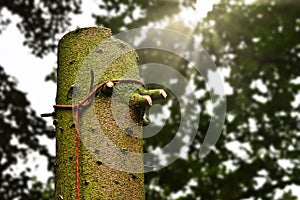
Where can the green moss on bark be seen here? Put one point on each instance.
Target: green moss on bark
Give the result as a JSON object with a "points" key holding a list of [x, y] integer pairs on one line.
{"points": [[98, 180]]}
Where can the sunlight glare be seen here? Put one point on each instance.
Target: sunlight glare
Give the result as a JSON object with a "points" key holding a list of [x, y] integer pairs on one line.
{"points": [[192, 15], [249, 1], [204, 6]]}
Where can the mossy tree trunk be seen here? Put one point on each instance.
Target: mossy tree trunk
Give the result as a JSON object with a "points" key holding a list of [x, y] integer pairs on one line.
{"points": [[98, 177]]}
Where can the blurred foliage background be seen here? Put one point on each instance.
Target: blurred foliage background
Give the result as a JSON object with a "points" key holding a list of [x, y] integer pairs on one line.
{"points": [[257, 155]]}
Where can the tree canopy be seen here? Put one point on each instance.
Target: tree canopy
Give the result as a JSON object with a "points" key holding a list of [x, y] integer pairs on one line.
{"points": [[41, 21], [20, 131], [257, 154]]}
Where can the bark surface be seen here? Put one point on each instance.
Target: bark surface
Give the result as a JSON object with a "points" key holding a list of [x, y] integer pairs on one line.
{"points": [[110, 130]]}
